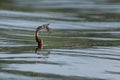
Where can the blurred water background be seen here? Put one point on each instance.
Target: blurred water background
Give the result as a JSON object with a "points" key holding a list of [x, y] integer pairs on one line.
{"points": [[84, 43]]}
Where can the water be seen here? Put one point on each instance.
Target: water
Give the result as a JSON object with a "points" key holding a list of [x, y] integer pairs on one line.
{"points": [[84, 43]]}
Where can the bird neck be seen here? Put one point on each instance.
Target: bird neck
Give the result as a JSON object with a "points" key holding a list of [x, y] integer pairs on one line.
{"points": [[37, 33]]}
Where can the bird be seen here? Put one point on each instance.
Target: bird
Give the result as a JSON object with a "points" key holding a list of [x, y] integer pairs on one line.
{"points": [[39, 40]]}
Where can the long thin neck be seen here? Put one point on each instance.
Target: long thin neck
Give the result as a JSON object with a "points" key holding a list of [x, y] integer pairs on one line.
{"points": [[37, 33]]}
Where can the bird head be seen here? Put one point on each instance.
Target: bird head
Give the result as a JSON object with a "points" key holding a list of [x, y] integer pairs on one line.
{"points": [[45, 26]]}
